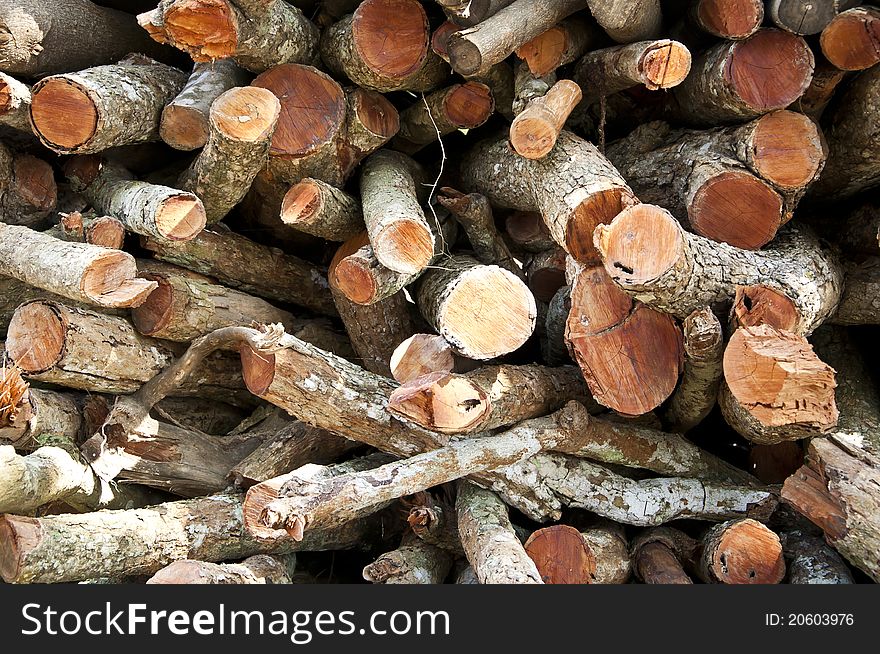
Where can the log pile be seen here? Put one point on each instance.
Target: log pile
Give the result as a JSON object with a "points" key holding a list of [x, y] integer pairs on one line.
{"points": [[439, 291]]}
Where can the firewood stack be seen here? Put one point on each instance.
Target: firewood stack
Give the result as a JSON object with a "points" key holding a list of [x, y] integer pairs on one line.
{"points": [[452, 291]]}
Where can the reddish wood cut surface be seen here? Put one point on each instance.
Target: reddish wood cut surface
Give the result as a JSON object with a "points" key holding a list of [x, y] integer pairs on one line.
{"points": [[35, 182], [562, 555], [599, 208], [205, 29], [761, 305], [807, 491], [544, 52], [375, 112], [665, 65], [748, 553], [312, 108], [770, 69], [852, 40], [733, 19], [469, 105], [257, 369], [391, 36], [35, 338], [155, 313], [245, 114], [657, 564], [788, 149], [63, 113]]}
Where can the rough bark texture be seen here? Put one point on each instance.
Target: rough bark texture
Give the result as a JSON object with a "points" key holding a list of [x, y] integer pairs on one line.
{"points": [[28, 192], [687, 272], [470, 12], [239, 263], [553, 347], [90, 274], [103, 107], [800, 17], [15, 104], [574, 188], [414, 562], [32, 417], [242, 122], [90, 228], [810, 560], [66, 548], [628, 21], [147, 209], [185, 123], [698, 389], [320, 209], [739, 80], [46, 37], [608, 543], [355, 48], [475, 50], [859, 304], [658, 553], [507, 314], [257, 569]]}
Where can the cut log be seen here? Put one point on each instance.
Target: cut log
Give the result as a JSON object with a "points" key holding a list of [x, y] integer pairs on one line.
{"points": [[534, 131], [607, 541], [434, 521], [826, 79], [776, 388], [528, 231], [185, 123], [762, 305], [461, 106], [489, 541], [142, 541], [57, 37], [414, 562], [527, 87], [655, 65], [218, 29], [650, 256], [257, 569], [15, 104], [28, 193], [242, 121], [851, 41], [853, 133], [562, 44], [31, 417], [143, 208], [758, 171], [739, 80], [419, 355], [322, 132], [702, 372], [626, 21], [475, 50], [487, 398], [562, 556], [605, 322], [506, 316], [391, 186], [471, 12], [574, 187], [374, 329], [357, 47], [801, 17], [810, 560], [239, 263], [742, 552], [322, 210], [105, 231], [658, 554], [103, 107], [545, 273], [728, 19], [90, 274]]}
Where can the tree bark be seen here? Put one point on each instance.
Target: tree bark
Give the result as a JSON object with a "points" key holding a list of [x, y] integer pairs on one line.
{"points": [[105, 231], [470, 12], [607, 541], [31, 417], [626, 22], [249, 267], [434, 521], [414, 562], [15, 104], [242, 122], [185, 122], [28, 193], [658, 554], [574, 188], [82, 272], [322, 210], [693, 272], [147, 209], [799, 17], [355, 48], [810, 560], [507, 314], [257, 569], [57, 37], [741, 552]]}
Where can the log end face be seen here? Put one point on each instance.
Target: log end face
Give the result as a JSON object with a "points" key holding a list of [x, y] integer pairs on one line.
{"points": [[257, 370], [246, 114], [731, 20], [469, 105], [110, 281], [544, 52], [441, 402], [35, 337], [153, 315], [180, 572], [376, 113], [355, 281], [302, 204], [63, 115], [788, 149], [736, 208], [183, 128], [852, 40], [464, 56], [665, 65], [599, 208], [760, 305], [562, 556], [748, 553], [377, 24], [770, 69], [204, 29], [180, 217], [420, 355], [107, 232], [405, 246], [533, 136], [35, 182], [18, 535]]}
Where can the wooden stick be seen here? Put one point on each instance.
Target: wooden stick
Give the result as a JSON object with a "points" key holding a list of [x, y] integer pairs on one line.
{"points": [[322, 210], [355, 47], [419, 355], [219, 29], [574, 187], [658, 555], [105, 231], [797, 403], [185, 123], [742, 552], [473, 51], [28, 192], [56, 37], [604, 321], [143, 208], [562, 555], [726, 86], [487, 398], [696, 393], [257, 569], [534, 131], [505, 321], [800, 17], [669, 281], [239, 263], [15, 104], [91, 274], [626, 22], [241, 124], [562, 44]]}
